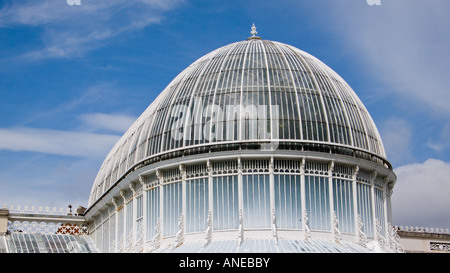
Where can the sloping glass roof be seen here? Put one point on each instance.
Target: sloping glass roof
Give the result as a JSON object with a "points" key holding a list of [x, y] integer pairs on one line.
{"points": [[285, 93], [18, 242]]}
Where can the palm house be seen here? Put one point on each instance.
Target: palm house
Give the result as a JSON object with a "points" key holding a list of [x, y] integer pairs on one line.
{"points": [[255, 147]]}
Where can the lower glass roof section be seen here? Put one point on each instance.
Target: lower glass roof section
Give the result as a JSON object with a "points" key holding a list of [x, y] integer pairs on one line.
{"points": [[44, 243]]}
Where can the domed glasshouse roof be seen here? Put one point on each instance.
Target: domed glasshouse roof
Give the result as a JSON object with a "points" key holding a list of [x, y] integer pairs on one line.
{"points": [[241, 96]]}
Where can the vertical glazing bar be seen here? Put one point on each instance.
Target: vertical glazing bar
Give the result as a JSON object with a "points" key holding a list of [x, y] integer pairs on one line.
{"points": [[210, 193], [271, 186], [240, 187]]}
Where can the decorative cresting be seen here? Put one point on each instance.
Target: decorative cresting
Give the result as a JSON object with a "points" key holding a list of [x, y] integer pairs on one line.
{"points": [[244, 96]]}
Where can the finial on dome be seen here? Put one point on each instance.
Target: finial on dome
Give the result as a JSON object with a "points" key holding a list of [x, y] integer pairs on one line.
{"points": [[254, 32]]}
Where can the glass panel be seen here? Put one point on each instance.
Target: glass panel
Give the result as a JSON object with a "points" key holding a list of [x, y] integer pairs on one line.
{"points": [[105, 226], [129, 220], [196, 204], [343, 205], [365, 208], [256, 193], [225, 202], [379, 209], [172, 208], [288, 208], [317, 202], [153, 211]]}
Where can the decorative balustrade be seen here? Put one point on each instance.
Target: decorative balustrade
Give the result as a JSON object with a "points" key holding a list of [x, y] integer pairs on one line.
{"points": [[42, 210], [46, 220], [423, 229]]}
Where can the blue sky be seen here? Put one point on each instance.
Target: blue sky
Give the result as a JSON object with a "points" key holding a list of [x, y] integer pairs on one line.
{"points": [[74, 77]]}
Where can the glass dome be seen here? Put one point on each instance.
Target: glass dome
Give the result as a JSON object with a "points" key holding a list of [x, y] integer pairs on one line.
{"points": [[243, 96]]}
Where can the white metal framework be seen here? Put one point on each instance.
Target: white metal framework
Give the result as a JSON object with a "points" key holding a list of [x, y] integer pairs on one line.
{"points": [[194, 166]]}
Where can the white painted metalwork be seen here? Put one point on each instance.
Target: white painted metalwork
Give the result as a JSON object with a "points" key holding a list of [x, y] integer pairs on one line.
{"points": [[316, 106], [191, 172]]}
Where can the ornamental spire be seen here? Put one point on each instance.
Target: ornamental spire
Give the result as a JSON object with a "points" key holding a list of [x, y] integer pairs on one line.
{"points": [[254, 32]]}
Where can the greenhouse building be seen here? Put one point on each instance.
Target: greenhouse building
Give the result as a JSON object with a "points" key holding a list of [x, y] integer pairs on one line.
{"points": [[256, 146]]}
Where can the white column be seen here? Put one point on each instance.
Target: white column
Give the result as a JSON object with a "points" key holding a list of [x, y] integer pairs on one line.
{"points": [[116, 224], [124, 205], [372, 194], [161, 201], [183, 195], [271, 185], [210, 191], [385, 205], [144, 206], [132, 187], [355, 197], [330, 194], [240, 186], [241, 203], [302, 191]]}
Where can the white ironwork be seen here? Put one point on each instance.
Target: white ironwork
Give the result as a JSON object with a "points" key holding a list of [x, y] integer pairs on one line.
{"points": [[139, 244], [156, 240], [274, 227], [423, 229], [378, 235], [394, 240], [180, 234], [208, 232], [307, 231], [441, 247], [337, 236], [45, 227], [39, 210], [241, 228], [360, 235]]}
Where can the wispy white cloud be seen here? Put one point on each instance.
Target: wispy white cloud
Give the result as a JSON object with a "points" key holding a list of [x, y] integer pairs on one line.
{"points": [[70, 31], [68, 143], [47, 180], [404, 44], [110, 122], [396, 134], [441, 143], [421, 194]]}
